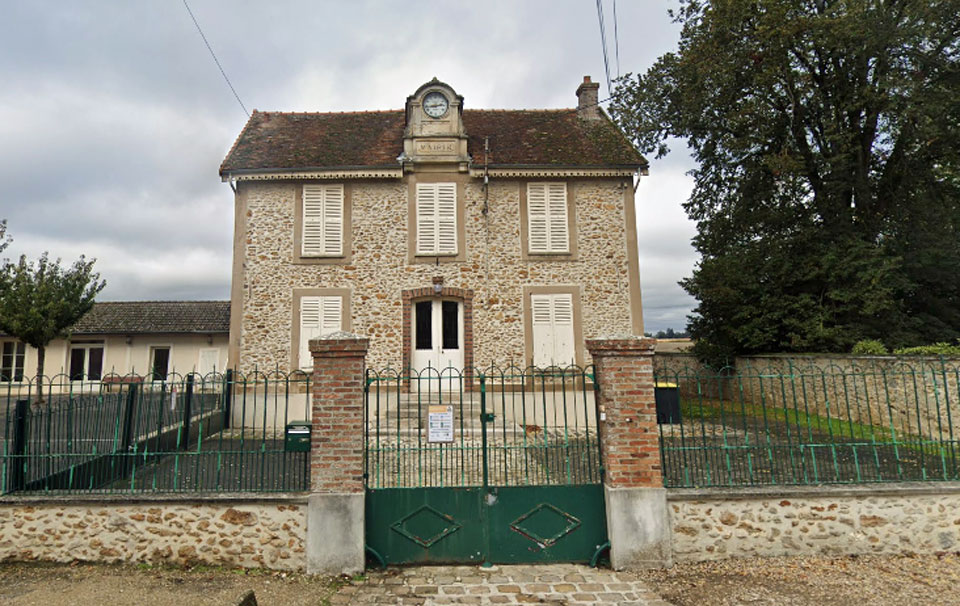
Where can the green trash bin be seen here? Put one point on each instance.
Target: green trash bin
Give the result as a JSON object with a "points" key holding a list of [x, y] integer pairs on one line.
{"points": [[667, 396], [296, 438]]}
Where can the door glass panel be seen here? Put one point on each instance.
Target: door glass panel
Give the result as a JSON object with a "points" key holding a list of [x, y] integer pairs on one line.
{"points": [[450, 325], [161, 362], [424, 327], [95, 365], [77, 356]]}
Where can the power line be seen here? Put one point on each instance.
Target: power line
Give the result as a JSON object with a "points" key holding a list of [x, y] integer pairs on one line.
{"points": [[616, 38], [215, 60], [603, 43]]}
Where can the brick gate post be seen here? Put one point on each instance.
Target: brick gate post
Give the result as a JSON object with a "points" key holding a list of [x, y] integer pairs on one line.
{"points": [[335, 520], [638, 522]]}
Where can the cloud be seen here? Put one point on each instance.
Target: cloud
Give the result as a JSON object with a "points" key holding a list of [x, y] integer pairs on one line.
{"points": [[114, 118]]}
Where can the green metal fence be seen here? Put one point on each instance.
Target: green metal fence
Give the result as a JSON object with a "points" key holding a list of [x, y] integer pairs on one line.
{"points": [[192, 433], [510, 427], [794, 423]]}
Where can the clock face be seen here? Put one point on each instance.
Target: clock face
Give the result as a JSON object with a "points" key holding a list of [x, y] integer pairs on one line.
{"points": [[435, 104]]}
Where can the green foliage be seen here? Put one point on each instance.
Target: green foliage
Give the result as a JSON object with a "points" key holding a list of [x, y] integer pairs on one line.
{"points": [[826, 196], [937, 349], [869, 347], [39, 302]]}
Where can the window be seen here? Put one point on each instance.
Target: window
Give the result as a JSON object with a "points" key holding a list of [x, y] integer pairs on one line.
{"points": [[86, 361], [436, 219], [323, 221], [553, 331], [547, 218], [11, 361], [159, 363], [318, 316]]}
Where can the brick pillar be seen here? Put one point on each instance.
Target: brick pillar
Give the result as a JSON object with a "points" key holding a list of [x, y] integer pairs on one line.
{"points": [[335, 521], [637, 517]]}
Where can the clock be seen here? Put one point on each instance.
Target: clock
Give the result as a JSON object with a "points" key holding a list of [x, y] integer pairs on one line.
{"points": [[435, 104]]}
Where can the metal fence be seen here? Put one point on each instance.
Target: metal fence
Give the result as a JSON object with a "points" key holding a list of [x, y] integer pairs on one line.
{"points": [[192, 433], [792, 423], [504, 427]]}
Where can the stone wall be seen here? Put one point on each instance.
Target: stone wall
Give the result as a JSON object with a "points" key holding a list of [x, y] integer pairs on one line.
{"points": [[239, 533], [901, 519], [379, 269]]}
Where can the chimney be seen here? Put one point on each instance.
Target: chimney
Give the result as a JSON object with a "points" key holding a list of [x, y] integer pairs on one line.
{"points": [[588, 107]]}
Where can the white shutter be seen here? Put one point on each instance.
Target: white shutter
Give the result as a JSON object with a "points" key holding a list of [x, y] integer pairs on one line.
{"points": [[322, 220], [312, 236], [557, 205], [208, 362], [537, 238], [547, 226], [318, 316], [333, 220], [563, 346], [552, 319], [447, 218], [543, 333], [436, 218]]}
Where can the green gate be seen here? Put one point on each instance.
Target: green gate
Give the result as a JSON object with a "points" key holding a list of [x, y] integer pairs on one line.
{"points": [[499, 466]]}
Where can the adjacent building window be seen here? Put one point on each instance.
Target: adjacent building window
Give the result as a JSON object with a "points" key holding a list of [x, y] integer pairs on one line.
{"points": [[323, 221], [552, 320], [318, 316], [547, 218], [12, 356], [159, 363], [436, 218], [86, 361]]}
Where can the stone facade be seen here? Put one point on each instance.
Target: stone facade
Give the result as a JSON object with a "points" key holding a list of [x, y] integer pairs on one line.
{"points": [[247, 534], [351, 180], [494, 268], [901, 519]]}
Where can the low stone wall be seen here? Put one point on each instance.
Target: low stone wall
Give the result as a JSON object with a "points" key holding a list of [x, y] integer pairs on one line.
{"points": [[889, 519], [248, 533]]}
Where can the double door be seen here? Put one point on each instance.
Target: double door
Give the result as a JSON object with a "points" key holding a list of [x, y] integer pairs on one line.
{"points": [[437, 337]]}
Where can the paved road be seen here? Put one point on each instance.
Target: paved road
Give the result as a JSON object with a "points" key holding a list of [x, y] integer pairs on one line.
{"points": [[555, 584]]}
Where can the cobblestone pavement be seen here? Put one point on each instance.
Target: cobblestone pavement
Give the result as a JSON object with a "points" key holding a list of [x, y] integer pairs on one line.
{"points": [[555, 584]]}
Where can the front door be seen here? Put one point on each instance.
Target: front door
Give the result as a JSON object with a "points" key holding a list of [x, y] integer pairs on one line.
{"points": [[437, 336]]}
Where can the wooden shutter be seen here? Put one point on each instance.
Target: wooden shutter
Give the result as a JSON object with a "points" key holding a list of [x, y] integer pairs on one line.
{"points": [[547, 227], [322, 220], [208, 362], [436, 218], [552, 319], [318, 316]]}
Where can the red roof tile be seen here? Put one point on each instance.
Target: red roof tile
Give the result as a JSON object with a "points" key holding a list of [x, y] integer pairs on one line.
{"points": [[303, 141]]}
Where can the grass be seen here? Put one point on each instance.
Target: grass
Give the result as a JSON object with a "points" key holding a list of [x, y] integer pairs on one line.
{"points": [[808, 423]]}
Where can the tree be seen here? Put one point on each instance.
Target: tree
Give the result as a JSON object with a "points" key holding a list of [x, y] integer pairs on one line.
{"points": [[826, 193], [39, 302], [4, 241]]}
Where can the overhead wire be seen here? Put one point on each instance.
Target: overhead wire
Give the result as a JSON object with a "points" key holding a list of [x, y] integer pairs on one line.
{"points": [[616, 38], [215, 60], [603, 43]]}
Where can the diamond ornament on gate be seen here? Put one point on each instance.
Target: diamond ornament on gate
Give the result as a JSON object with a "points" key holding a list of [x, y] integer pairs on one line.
{"points": [[426, 526], [538, 523]]}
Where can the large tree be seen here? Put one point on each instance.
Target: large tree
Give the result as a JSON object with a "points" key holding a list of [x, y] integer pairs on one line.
{"points": [[826, 196], [39, 302]]}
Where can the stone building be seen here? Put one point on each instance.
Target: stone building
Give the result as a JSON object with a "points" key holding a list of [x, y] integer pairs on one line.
{"points": [[449, 236]]}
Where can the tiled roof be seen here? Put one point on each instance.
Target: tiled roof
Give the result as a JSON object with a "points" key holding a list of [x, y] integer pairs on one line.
{"points": [[137, 317], [303, 141]]}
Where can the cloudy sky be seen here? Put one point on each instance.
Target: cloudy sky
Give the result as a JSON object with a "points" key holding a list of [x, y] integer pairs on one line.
{"points": [[114, 118]]}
